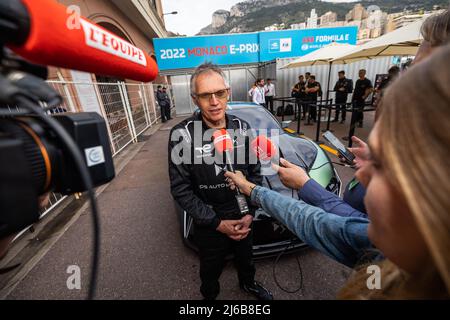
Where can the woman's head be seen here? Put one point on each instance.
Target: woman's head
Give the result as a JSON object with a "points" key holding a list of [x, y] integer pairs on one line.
{"points": [[408, 195], [435, 32]]}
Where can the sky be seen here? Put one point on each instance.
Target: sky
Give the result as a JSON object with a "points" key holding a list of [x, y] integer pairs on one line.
{"points": [[196, 14]]}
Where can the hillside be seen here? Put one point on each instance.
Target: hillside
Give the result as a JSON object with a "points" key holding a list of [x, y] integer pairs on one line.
{"points": [[255, 15]]}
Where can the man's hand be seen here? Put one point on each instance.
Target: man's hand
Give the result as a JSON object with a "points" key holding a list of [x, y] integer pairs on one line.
{"points": [[244, 225], [233, 229], [361, 152], [5, 242], [291, 175], [237, 179], [44, 200]]}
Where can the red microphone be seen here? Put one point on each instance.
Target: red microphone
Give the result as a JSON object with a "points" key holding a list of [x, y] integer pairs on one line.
{"points": [[224, 144], [263, 148], [48, 40]]}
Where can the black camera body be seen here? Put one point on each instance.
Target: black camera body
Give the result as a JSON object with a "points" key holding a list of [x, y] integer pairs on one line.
{"points": [[88, 130], [34, 161]]}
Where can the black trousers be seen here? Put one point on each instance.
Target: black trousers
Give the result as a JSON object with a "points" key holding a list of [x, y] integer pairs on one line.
{"points": [[269, 103], [341, 106], [165, 113], [214, 247], [302, 106], [312, 109], [359, 107]]}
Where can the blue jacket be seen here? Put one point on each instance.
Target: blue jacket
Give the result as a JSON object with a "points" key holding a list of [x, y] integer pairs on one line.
{"points": [[341, 238], [314, 194]]}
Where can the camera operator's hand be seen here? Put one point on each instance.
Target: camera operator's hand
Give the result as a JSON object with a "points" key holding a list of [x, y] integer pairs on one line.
{"points": [[6, 241], [4, 245], [44, 200], [291, 175], [361, 152]]}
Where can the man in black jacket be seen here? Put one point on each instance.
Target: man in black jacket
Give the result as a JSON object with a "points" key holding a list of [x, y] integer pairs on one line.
{"points": [[298, 92], [164, 103], [198, 184], [363, 88], [342, 88]]}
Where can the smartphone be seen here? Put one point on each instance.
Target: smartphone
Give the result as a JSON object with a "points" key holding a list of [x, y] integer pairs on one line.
{"points": [[343, 151]]}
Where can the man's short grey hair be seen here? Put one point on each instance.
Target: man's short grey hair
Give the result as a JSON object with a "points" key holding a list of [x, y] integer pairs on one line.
{"points": [[205, 68]]}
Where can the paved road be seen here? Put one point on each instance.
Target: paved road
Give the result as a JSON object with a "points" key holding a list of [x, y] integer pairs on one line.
{"points": [[142, 254]]}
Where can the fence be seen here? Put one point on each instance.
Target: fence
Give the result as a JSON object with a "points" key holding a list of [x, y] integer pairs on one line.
{"points": [[128, 109]]}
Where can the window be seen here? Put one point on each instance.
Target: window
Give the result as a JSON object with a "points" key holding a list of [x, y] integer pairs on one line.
{"points": [[153, 5]]}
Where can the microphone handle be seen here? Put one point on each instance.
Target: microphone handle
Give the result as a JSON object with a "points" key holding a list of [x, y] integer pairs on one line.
{"points": [[229, 162], [240, 198], [230, 167]]}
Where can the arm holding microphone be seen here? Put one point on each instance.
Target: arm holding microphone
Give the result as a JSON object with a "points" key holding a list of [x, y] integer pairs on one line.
{"points": [[296, 178], [342, 238], [313, 193]]}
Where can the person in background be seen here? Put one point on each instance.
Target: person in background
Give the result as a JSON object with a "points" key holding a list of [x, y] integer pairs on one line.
{"points": [[342, 88], [307, 76], [164, 103], [393, 74], [258, 96], [363, 88], [298, 92], [269, 90], [435, 31], [312, 91], [168, 104], [250, 92]]}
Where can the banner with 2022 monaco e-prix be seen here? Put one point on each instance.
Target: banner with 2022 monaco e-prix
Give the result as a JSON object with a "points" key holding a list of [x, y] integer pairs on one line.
{"points": [[243, 48]]}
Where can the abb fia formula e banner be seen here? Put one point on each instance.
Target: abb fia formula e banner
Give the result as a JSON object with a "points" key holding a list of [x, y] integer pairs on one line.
{"points": [[189, 52], [297, 43]]}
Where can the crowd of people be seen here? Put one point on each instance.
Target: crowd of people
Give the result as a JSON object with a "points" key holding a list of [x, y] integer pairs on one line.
{"points": [[398, 223], [308, 90]]}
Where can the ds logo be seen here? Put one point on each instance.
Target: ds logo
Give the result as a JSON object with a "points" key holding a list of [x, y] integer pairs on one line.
{"points": [[207, 148]]}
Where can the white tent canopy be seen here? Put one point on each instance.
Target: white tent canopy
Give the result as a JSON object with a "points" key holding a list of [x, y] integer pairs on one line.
{"points": [[323, 55], [404, 41]]}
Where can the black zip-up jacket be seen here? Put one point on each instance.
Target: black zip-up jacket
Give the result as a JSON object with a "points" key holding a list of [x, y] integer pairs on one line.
{"points": [[201, 189]]}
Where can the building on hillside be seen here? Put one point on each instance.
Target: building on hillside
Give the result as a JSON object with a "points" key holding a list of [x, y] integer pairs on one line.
{"points": [[357, 13], [328, 18], [311, 22]]}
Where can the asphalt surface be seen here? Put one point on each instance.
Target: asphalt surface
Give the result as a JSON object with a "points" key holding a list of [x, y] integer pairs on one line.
{"points": [[142, 255]]}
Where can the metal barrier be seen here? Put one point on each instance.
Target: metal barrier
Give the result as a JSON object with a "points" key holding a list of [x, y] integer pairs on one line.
{"points": [[128, 109], [321, 105]]}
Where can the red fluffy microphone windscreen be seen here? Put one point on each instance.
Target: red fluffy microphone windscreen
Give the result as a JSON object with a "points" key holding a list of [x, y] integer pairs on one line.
{"points": [[86, 47], [263, 148], [222, 141]]}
